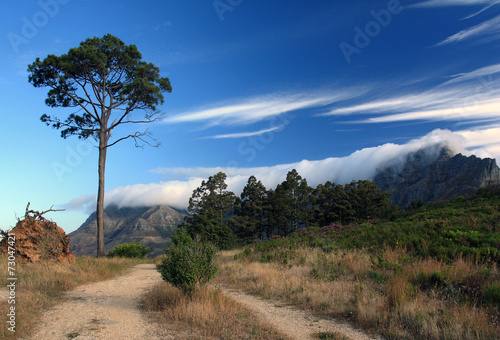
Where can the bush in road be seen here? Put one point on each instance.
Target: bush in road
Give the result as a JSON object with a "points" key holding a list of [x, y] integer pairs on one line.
{"points": [[189, 265]]}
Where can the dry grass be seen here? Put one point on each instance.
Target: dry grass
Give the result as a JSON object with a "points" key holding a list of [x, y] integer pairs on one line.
{"points": [[207, 315], [39, 285], [392, 300]]}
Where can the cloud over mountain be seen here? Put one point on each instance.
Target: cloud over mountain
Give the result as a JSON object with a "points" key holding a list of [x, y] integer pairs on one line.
{"points": [[362, 164]]}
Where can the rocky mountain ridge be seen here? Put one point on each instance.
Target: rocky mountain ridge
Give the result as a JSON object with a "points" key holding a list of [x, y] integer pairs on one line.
{"points": [[150, 226], [436, 178]]}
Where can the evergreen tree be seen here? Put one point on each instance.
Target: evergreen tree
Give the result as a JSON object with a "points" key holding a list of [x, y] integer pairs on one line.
{"points": [[291, 204], [368, 200], [277, 212], [251, 211], [330, 204], [104, 81], [209, 208]]}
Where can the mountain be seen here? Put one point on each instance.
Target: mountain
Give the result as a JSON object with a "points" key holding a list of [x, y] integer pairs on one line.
{"points": [[151, 226], [436, 176]]}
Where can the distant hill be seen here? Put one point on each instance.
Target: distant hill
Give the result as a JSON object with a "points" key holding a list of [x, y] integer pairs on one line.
{"points": [[151, 226], [436, 178]]}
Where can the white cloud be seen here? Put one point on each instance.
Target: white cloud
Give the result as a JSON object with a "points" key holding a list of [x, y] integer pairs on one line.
{"points": [[244, 134], [173, 193], [250, 110], [467, 96], [430, 99], [446, 3], [482, 74], [489, 28], [471, 112], [362, 164]]}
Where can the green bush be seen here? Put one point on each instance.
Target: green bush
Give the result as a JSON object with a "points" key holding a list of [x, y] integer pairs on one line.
{"points": [[189, 265], [132, 250], [492, 294], [181, 236]]}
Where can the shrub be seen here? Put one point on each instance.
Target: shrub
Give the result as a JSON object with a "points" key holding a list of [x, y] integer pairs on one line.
{"points": [[189, 266], [181, 236], [492, 293], [132, 250]]}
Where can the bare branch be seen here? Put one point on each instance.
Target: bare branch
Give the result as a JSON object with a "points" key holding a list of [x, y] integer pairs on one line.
{"points": [[150, 118], [138, 136], [36, 214]]}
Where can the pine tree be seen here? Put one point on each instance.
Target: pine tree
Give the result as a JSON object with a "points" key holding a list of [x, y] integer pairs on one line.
{"points": [[368, 200], [251, 211], [330, 204], [104, 81], [291, 204], [209, 209]]}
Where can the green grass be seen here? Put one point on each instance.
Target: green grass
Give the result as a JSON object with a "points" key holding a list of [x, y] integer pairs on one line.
{"points": [[465, 226]]}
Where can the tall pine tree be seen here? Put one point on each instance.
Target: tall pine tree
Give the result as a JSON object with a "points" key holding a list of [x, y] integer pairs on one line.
{"points": [[253, 204], [330, 204], [290, 204], [209, 209]]}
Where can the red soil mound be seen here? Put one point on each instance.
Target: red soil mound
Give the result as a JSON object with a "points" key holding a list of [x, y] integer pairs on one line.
{"points": [[37, 238]]}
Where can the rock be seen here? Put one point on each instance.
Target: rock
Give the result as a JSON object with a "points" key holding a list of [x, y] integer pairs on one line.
{"points": [[436, 178], [38, 239]]}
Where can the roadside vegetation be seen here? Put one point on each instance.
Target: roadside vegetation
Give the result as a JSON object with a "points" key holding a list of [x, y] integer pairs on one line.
{"points": [[430, 273], [188, 306], [40, 284], [205, 314]]}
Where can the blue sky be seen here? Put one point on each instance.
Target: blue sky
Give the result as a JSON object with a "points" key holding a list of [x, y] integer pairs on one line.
{"points": [[335, 89]]}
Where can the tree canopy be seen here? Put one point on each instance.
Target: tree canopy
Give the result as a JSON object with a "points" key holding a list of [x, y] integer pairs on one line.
{"points": [[100, 77], [209, 210], [218, 216]]}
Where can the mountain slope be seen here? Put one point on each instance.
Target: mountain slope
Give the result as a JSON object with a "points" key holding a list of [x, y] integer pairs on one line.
{"points": [[442, 177], [151, 226]]}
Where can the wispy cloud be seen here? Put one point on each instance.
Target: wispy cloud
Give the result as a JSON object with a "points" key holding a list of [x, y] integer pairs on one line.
{"points": [[362, 164], [446, 3], [467, 96], [245, 134], [482, 111], [250, 110], [489, 29], [398, 103], [491, 3], [484, 74]]}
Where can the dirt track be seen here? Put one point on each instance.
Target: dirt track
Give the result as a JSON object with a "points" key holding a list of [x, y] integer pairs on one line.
{"points": [[103, 310], [109, 310], [297, 324]]}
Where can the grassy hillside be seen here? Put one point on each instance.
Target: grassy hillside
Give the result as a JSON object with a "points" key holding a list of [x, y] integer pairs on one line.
{"points": [[430, 274], [467, 226]]}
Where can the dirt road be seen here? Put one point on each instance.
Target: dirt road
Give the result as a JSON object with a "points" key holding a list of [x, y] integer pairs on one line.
{"points": [[295, 323], [103, 310], [110, 310]]}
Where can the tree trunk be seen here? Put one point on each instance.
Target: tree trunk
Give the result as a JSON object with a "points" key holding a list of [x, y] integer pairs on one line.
{"points": [[100, 194]]}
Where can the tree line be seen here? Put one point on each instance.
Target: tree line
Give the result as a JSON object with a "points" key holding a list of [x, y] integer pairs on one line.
{"points": [[218, 216]]}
